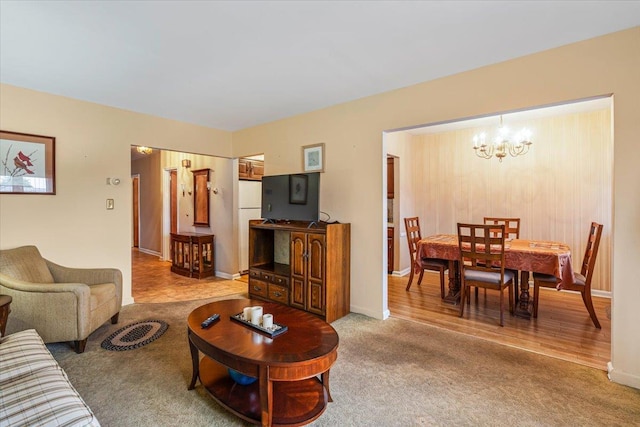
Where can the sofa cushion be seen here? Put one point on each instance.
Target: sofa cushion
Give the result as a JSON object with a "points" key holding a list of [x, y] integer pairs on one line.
{"points": [[34, 390], [25, 263], [15, 364]]}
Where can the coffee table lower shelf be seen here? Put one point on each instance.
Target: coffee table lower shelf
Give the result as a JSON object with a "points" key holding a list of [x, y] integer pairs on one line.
{"points": [[294, 402]]}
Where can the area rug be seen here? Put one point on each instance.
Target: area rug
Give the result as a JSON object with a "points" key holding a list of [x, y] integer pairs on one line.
{"points": [[135, 335], [388, 373]]}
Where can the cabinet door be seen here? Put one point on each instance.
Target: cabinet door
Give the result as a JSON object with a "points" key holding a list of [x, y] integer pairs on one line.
{"points": [[250, 169], [316, 291], [297, 255], [257, 169]]}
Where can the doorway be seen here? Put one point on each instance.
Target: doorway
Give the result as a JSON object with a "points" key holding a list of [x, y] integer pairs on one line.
{"points": [[445, 183]]}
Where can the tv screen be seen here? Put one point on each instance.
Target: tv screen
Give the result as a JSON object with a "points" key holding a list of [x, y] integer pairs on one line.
{"points": [[293, 197]]}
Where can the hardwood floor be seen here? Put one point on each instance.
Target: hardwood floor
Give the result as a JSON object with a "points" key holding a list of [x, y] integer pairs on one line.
{"points": [[153, 282], [563, 328]]}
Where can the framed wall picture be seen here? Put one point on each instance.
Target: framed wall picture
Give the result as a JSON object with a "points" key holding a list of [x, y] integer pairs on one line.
{"points": [[298, 185], [27, 163], [313, 158]]}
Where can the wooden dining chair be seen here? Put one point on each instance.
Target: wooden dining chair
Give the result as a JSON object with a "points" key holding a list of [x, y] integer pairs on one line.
{"points": [[482, 263], [511, 226], [414, 235], [582, 282], [511, 231]]}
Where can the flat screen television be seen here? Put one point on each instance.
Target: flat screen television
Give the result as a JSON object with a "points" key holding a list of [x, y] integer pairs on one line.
{"points": [[294, 197]]}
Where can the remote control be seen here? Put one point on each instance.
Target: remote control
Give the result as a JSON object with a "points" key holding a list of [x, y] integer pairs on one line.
{"points": [[209, 320]]}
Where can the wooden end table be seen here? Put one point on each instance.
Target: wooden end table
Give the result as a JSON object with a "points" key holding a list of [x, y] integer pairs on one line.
{"points": [[5, 302], [292, 368]]}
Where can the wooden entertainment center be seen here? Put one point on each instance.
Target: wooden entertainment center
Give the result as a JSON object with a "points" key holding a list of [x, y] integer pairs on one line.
{"points": [[302, 266]]}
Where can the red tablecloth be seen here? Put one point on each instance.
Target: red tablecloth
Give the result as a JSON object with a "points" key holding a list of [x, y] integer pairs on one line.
{"points": [[524, 255]]}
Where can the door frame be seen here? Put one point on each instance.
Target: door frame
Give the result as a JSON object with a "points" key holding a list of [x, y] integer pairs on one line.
{"points": [[135, 211], [166, 213]]}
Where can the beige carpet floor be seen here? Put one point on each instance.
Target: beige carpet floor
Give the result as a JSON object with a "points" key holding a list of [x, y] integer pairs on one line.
{"points": [[388, 373]]}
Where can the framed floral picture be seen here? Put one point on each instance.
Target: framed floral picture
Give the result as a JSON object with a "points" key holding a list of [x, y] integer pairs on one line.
{"points": [[27, 163], [313, 158]]}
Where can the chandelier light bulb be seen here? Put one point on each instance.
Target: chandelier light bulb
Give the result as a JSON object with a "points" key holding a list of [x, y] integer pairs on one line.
{"points": [[503, 143]]}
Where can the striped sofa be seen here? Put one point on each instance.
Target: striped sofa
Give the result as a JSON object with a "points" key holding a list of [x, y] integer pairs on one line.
{"points": [[34, 390]]}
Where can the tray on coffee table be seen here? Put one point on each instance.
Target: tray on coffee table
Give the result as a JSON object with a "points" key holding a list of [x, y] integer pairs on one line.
{"points": [[276, 330]]}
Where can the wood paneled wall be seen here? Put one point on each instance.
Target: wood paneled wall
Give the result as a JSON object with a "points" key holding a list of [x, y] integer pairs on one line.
{"points": [[557, 189]]}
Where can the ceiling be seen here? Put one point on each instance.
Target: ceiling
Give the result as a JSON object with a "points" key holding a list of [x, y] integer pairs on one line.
{"points": [[231, 65]]}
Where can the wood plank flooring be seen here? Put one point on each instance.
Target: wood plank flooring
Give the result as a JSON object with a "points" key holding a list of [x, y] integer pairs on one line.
{"points": [[153, 282], [563, 328]]}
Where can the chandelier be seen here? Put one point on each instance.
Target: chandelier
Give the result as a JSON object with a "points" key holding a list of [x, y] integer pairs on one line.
{"points": [[516, 145], [144, 150]]}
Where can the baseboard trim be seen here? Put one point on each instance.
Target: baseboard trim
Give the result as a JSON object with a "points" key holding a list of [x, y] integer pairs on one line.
{"points": [[376, 315], [150, 252], [594, 292], [622, 377], [401, 273], [227, 276]]}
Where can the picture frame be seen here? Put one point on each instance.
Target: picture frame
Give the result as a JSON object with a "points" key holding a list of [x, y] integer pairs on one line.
{"points": [[298, 189], [27, 163], [313, 158]]}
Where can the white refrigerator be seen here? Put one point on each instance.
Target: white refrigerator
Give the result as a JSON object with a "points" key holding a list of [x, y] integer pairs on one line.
{"points": [[249, 200]]}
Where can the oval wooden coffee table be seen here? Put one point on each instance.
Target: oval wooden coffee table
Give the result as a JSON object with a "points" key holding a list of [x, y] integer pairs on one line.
{"points": [[288, 391]]}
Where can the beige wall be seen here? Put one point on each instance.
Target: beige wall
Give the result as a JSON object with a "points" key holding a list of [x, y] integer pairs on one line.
{"points": [[93, 142], [557, 189], [352, 187]]}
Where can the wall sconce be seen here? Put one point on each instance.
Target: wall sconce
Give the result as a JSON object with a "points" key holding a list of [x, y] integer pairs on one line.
{"points": [[183, 190], [186, 163]]}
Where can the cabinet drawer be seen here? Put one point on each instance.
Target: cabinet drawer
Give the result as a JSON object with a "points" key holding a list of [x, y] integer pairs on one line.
{"points": [[267, 277], [258, 287], [281, 281], [279, 294]]}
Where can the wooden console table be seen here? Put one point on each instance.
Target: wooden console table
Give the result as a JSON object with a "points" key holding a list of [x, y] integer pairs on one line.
{"points": [[288, 390], [192, 254]]}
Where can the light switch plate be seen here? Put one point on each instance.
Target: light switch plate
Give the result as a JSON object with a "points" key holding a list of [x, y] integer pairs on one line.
{"points": [[109, 204]]}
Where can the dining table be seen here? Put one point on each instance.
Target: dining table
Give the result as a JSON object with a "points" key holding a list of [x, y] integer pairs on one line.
{"points": [[524, 255]]}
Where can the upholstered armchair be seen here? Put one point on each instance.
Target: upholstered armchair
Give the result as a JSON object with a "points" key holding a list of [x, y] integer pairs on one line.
{"points": [[61, 303]]}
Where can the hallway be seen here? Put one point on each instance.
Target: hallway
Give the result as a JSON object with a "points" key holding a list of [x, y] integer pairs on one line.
{"points": [[153, 282]]}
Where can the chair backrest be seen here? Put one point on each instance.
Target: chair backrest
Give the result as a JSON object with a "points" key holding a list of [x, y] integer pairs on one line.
{"points": [[591, 251], [412, 225], [511, 226], [481, 246], [25, 263]]}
